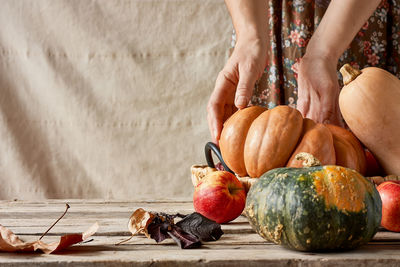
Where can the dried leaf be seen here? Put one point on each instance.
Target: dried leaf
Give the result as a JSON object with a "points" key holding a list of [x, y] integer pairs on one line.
{"points": [[158, 230], [187, 233], [139, 222], [200, 226], [183, 239], [9, 242]]}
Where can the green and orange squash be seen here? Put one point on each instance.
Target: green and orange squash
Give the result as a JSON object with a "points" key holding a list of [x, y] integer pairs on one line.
{"points": [[316, 208]]}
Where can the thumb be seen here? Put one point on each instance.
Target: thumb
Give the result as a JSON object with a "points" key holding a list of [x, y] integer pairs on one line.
{"points": [[244, 89]]}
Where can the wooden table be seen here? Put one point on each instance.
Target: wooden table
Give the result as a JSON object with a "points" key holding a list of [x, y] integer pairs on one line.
{"points": [[239, 246]]}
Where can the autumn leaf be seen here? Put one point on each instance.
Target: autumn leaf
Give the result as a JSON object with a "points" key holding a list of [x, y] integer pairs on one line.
{"points": [[200, 226], [187, 233], [183, 239], [139, 222], [9, 242]]}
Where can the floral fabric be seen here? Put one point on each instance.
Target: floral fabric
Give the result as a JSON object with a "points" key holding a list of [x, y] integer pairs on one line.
{"points": [[291, 25]]}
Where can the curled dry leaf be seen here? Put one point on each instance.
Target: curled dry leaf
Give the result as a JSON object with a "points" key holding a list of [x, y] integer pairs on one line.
{"points": [[187, 233], [201, 171], [139, 222], [9, 242]]}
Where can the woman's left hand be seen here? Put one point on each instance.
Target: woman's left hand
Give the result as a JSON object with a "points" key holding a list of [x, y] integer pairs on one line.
{"points": [[318, 90]]}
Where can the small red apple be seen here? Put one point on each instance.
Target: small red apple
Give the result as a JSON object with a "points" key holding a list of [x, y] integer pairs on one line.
{"points": [[390, 196], [219, 196]]}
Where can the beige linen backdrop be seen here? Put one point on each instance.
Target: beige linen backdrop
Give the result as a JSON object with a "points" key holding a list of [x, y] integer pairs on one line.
{"points": [[106, 98]]}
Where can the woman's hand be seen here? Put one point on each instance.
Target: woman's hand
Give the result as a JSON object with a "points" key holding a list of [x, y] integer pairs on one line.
{"points": [[318, 90], [234, 84]]}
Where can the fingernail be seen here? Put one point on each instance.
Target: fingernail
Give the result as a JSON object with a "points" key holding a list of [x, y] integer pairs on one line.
{"points": [[241, 101]]}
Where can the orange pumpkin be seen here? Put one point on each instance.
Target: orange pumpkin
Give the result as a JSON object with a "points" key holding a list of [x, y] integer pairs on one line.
{"points": [[316, 140], [267, 146], [232, 138], [369, 103], [255, 140], [349, 151]]}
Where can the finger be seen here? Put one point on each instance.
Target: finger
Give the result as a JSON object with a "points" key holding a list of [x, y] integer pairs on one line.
{"points": [[223, 93], [303, 101], [303, 104], [303, 96], [329, 105], [226, 81], [247, 78], [214, 120], [314, 108]]}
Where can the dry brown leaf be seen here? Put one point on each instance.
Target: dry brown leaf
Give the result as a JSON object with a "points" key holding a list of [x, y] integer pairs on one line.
{"points": [[139, 221], [9, 242]]}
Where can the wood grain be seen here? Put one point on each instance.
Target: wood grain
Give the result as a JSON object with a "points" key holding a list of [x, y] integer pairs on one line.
{"points": [[239, 245]]}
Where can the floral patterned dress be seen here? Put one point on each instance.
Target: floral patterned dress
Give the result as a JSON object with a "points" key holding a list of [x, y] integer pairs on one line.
{"points": [[291, 25]]}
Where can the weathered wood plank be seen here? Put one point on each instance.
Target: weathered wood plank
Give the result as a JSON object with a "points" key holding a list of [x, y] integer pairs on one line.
{"points": [[109, 226], [226, 239], [216, 256], [238, 246]]}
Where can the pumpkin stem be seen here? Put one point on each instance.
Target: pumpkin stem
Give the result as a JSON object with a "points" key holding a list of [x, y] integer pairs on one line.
{"points": [[349, 73], [308, 159]]}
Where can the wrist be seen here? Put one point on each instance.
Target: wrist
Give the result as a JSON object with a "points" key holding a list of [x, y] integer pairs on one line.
{"points": [[324, 47], [251, 36], [328, 55], [251, 41], [249, 18]]}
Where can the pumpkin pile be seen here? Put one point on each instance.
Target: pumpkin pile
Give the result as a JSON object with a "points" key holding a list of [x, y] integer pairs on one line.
{"points": [[328, 204], [255, 140]]}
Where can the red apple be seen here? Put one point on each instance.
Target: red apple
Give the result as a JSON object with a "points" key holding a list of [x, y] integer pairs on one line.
{"points": [[219, 196], [390, 196]]}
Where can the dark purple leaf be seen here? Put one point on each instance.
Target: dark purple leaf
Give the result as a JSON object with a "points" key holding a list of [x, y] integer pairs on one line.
{"points": [[184, 239], [200, 226], [158, 230]]}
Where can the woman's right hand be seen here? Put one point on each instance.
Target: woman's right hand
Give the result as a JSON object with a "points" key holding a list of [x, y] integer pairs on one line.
{"points": [[235, 83]]}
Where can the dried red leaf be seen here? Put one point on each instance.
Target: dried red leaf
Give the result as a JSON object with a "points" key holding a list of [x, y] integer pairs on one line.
{"points": [[9, 242]]}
